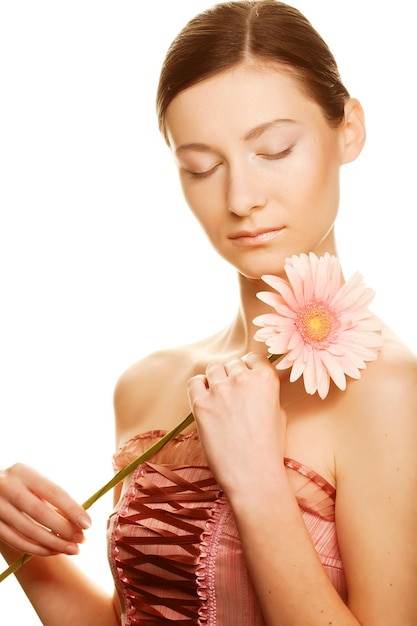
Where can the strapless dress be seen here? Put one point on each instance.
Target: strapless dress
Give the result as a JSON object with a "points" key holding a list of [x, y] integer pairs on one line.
{"points": [[173, 545]]}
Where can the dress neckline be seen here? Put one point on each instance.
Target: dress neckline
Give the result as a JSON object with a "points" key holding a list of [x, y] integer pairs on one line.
{"points": [[289, 462]]}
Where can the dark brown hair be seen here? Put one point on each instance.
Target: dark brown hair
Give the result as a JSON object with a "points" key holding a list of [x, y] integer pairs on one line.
{"points": [[266, 30]]}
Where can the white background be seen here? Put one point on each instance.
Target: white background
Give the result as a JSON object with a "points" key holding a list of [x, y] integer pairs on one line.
{"points": [[100, 261]]}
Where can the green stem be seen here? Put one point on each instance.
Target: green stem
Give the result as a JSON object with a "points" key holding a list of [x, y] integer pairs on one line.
{"points": [[117, 478]]}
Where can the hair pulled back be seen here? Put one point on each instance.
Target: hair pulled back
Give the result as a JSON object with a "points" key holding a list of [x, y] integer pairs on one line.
{"points": [[266, 30]]}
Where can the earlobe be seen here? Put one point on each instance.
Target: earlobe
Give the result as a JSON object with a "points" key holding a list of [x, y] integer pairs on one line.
{"points": [[354, 131]]}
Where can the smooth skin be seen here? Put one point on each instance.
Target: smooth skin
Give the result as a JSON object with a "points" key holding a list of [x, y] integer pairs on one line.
{"points": [[259, 166]]}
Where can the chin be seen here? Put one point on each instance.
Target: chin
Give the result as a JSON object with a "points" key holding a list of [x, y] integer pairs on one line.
{"points": [[255, 271], [255, 263]]}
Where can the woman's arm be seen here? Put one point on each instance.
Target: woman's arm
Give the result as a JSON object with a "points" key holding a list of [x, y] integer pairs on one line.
{"points": [[38, 517], [243, 438], [61, 594], [376, 504]]}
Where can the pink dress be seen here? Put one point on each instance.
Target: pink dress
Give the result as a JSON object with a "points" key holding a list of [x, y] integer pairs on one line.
{"points": [[174, 549]]}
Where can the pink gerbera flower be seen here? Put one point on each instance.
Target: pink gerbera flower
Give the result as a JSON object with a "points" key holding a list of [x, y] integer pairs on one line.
{"points": [[324, 330]]}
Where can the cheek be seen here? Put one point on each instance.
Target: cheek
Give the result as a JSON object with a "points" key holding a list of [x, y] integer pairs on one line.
{"points": [[318, 180], [194, 202], [203, 205], [190, 198], [203, 197]]}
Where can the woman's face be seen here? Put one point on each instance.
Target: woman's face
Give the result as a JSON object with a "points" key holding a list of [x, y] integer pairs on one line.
{"points": [[259, 166]]}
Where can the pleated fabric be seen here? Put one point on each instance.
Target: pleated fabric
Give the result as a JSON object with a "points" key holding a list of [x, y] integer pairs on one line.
{"points": [[173, 545]]}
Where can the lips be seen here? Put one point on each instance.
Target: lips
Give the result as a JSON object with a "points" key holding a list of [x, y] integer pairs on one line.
{"points": [[252, 238]]}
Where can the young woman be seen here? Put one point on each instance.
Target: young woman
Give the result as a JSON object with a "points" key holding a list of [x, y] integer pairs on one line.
{"points": [[277, 506]]}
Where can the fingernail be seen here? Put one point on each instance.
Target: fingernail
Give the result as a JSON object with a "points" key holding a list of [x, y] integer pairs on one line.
{"points": [[78, 538], [72, 549], [84, 521]]}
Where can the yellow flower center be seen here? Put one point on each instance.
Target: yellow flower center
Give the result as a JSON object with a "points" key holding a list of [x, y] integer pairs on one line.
{"points": [[315, 323]]}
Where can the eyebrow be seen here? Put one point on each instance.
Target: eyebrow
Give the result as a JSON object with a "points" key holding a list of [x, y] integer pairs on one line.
{"points": [[254, 133]]}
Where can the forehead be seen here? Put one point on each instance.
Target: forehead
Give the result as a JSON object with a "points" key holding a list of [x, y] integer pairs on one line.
{"points": [[236, 100]]}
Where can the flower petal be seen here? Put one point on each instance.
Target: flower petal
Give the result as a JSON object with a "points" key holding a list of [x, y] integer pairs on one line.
{"points": [[336, 372], [323, 329], [283, 288]]}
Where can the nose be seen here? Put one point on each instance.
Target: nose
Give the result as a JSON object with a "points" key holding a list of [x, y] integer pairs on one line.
{"points": [[245, 191]]}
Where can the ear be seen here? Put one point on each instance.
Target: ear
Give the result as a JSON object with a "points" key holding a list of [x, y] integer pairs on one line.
{"points": [[353, 131]]}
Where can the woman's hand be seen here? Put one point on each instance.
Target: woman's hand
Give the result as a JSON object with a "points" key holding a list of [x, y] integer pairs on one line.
{"points": [[36, 516], [239, 418]]}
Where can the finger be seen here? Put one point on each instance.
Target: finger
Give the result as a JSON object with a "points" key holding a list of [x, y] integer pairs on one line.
{"points": [[255, 359], [32, 516], [22, 544], [20, 480], [235, 365], [197, 384], [215, 372], [38, 541]]}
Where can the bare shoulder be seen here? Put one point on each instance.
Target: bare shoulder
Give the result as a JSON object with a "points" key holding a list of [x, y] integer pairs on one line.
{"points": [[376, 481], [387, 391], [151, 393], [380, 426], [141, 378], [377, 421]]}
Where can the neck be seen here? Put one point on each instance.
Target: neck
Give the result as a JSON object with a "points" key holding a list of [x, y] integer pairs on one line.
{"points": [[237, 338], [242, 330]]}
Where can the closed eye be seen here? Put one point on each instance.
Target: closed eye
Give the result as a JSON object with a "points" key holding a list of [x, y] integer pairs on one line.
{"points": [[204, 174], [275, 156]]}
